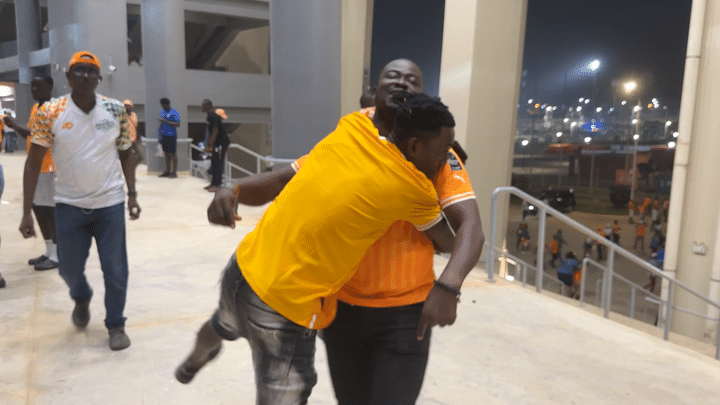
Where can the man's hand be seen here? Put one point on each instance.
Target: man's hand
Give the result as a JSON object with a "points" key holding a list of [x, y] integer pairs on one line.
{"points": [[134, 208], [27, 227], [440, 308], [160, 119], [223, 208], [10, 122]]}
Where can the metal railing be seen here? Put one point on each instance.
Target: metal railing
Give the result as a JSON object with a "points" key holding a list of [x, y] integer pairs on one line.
{"points": [[198, 169], [666, 306]]}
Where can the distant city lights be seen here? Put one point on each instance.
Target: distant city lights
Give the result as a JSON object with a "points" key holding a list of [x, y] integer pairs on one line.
{"points": [[668, 123], [559, 134], [636, 137], [676, 134], [566, 120], [623, 102], [599, 109], [525, 142], [671, 144], [588, 139]]}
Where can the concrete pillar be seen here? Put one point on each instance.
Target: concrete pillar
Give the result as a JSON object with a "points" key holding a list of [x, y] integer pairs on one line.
{"points": [[163, 38], [480, 82], [98, 26], [305, 64], [27, 23], [695, 207], [356, 35]]}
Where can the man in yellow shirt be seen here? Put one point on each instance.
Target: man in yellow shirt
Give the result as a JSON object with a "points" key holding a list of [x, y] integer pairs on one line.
{"points": [[353, 186]]}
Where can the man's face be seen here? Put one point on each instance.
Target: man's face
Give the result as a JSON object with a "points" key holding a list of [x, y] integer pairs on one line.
{"points": [[40, 89], [83, 77], [398, 75], [128, 108], [430, 156], [165, 106], [206, 107]]}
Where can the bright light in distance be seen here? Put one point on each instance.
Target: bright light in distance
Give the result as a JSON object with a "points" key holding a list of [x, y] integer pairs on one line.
{"points": [[554, 107], [671, 144], [572, 124], [509, 278], [6, 90], [676, 134], [634, 121], [650, 105], [630, 86], [530, 101], [594, 65], [537, 105], [637, 108], [581, 100], [559, 134], [636, 137], [588, 139], [611, 110], [598, 109], [525, 142], [668, 123], [587, 101], [623, 102], [578, 109], [566, 120]]}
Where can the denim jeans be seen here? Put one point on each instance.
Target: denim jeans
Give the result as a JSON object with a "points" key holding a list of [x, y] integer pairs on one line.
{"points": [[75, 229], [283, 352], [374, 355], [2, 181]]}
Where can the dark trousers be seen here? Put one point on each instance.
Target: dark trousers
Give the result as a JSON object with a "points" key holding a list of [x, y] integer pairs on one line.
{"points": [[217, 164], [374, 355]]}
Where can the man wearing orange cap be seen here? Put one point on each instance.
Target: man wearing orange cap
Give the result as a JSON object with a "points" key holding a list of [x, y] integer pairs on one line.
{"points": [[88, 134], [136, 140], [217, 143]]}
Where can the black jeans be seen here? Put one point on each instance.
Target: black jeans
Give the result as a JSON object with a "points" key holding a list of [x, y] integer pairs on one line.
{"points": [[374, 355], [217, 164]]}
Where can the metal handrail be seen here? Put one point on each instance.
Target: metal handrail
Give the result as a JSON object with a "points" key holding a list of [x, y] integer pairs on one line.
{"points": [[229, 166], [612, 250]]}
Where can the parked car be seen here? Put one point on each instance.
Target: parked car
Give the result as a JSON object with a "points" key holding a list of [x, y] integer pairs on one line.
{"points": [[561, 200]]}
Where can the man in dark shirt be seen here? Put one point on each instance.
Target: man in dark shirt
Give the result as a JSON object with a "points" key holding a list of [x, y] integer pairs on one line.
{"points": [[217, 143]]}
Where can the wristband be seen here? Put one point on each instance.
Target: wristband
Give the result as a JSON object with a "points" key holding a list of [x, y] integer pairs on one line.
{"points": [[132, 194], [447, 288]]}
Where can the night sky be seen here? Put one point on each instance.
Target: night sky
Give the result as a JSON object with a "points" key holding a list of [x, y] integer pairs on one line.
{"points": [[641, 39]]}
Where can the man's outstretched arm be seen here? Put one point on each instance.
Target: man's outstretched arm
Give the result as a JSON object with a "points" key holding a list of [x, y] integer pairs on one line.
{"points": [[440, 306], [254, 190]]}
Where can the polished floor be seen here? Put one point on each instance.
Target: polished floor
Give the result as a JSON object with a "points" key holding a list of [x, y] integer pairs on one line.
{"points": [[509, 345]]}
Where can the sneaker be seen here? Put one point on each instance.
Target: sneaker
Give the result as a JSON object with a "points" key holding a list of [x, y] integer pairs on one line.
{"points": [[81, 314], [185, 373], [118, 339], [37, 260], [2, 282], [47, 264], [173, 176], [166, 174]]}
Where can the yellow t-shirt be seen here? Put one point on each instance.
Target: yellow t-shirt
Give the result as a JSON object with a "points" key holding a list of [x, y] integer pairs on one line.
{"points": [[353, 186]]}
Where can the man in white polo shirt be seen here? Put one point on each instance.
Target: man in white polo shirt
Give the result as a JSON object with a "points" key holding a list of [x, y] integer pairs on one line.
{"points": [[88, 134]]}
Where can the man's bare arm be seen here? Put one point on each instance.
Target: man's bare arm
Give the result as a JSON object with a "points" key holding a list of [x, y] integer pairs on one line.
{"points": [[440, 306], [128, 163], [254, 190], [30, 180], [21, 130]]}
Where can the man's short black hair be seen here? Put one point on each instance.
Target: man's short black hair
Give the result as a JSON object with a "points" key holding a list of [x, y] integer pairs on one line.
{"points": [[164, 100], [46, 78], [421, 116]]}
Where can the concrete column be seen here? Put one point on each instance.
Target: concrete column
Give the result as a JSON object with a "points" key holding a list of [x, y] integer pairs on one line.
{"points": [[27, 23], [480, 82], [695, 207], [356, 36], [163, 39], [98, 26], [305, 65]]}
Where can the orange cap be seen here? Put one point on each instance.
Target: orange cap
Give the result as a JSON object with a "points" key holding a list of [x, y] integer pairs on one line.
{"points": [[128, 102], [84, 57], [221, 113]]}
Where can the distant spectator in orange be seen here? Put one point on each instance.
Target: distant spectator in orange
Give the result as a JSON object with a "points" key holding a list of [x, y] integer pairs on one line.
{"points": [[600, 232], [640, 237], [631, 212], [136, 140], [655, 212], [665, 206], [616, 232]]}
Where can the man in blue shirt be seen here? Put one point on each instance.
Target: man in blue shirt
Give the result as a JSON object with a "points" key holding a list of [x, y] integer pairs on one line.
{"points": [[167, 134]]}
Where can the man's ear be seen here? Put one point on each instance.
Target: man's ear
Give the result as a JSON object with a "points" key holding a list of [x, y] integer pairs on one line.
{"points": [[412, 147]]}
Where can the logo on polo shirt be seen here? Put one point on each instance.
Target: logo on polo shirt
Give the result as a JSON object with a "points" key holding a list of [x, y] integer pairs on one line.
{"points": [[105, 125], [454, 164], [67, 125]]}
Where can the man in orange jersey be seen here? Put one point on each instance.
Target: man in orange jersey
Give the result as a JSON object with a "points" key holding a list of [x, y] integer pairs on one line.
{"points": [[263, 188], [44, 202]]}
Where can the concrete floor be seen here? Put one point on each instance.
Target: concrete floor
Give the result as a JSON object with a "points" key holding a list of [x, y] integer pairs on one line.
{"points": [[509, 345]]}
